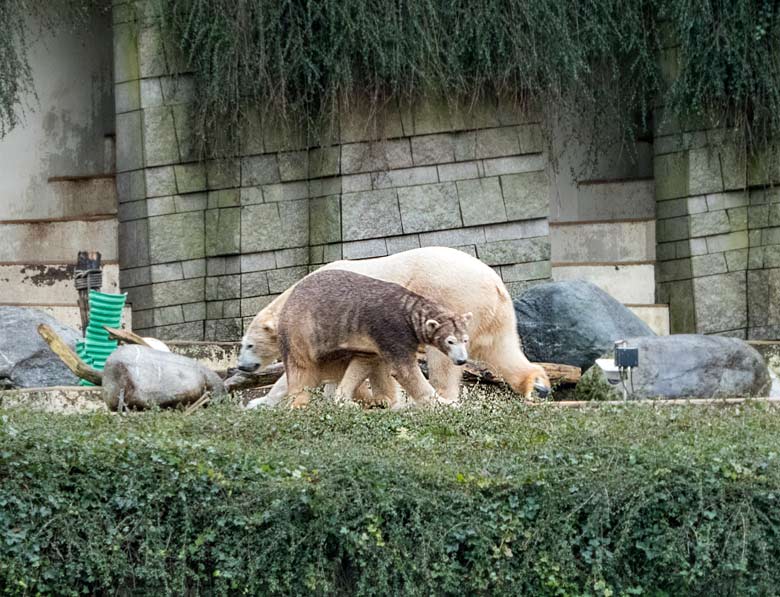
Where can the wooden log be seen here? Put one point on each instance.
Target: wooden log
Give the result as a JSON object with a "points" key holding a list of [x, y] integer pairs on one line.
{"points": [[474, 373], [126, 336], [68, 356]]}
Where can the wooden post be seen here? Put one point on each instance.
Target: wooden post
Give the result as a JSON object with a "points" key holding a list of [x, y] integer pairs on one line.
{"points": [[88, 275]]}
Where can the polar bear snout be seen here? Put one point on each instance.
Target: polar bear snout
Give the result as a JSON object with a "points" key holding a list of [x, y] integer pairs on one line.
{"points": [[248, 361], [457, 353], [541, 388]]}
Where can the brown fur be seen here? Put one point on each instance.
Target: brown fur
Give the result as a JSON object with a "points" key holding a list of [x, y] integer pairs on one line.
{"points": [[338, 324]]}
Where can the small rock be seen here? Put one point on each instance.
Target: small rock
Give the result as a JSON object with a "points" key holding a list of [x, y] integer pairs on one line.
{"points": [[573, 322], [686, 366], [26, 361]]}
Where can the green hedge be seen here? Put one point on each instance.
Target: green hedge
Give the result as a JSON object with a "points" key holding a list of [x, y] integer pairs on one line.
{"points": [[490, 499]]}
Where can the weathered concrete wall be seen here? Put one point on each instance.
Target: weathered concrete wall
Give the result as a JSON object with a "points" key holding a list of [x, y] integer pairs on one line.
{"points": [[57, 191], [204, 247]]}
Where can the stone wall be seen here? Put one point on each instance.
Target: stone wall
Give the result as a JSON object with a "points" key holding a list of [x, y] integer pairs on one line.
{"points": [[205, 246], [718, 231]]}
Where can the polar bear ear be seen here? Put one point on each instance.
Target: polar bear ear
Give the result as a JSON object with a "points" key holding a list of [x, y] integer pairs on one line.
{"points": [[468, 316], [269, 326], [432, 325]]}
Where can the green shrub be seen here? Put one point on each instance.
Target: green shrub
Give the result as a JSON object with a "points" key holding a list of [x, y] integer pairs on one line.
{"points": [[491, 499]]}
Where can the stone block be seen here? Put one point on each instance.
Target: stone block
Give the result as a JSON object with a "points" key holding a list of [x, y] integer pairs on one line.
{"points": [[704, 175], [223, 287], [697, 246], [721, 302], [127, 96], [131, 186], [224, 198], [192, 330], [178, 292], [468, 249], [223, 174], [194, 311], [683, 248], [526, 195], [682, 313], [355, 183], [293, 165], [758, 216], [129, 141], [190, 178], [140, 297], [165, 272], [497, 142], [223, 231], [737, 260], [190, 202], [380, 155], [771, 256], [223, 330], [168, 315], [481, 201], [280, 225], [672, 208], [727, 242], [531, 138], [160, 144], [709, 223], [286, 191], [513, 165], [291, 257], [280, 280], [755, 257], [508, 252], [404, 177], [132, 210], [178, 90], [125, 53], [669, 271], [258, 261], [134, 243], [136, 276], [738, 218], [370, 214], [325, 220], [456, 237], [151, 57], [320, 187], [521, 229], [434, 115], [733, 162], [769, 236], [666, 251], [458, 171], [362, 122], [151, 93], [773, 215], [708, 265], [254, 284], [252, 306], [671, 175], [465, 146], [727, 200], [194, 268], [250, 195], [397, 244], [698, 204], [429, 207], [520, 272], [316, 255], [332, 252], [176, 237], [160, 206], [160, 181], [433, 149], [259, 170], [363, 249], [324, 161]]}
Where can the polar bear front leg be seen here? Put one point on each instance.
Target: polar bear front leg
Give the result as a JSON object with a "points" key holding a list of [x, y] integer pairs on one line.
{"points": [[444, 375], [412, 380], [299, 381], [356, 373], [273, 397]]}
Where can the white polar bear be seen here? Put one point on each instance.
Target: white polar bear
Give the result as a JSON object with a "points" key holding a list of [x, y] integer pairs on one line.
{"points": [[457, 281]]}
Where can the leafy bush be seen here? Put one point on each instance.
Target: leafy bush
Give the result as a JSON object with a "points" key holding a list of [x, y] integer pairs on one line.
{"points": [[490, 499]]}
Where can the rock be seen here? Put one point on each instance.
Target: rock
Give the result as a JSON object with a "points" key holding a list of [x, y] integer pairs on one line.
{"points": [[686, 366], [25, 359], [142, 377], [573, 322]]}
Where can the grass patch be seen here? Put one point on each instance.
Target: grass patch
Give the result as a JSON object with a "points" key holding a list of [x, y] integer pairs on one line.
{"points": [[491, 498]]}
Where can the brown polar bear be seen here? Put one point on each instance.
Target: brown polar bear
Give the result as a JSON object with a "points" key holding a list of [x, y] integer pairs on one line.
{"points": [[337, 324], [447, 276]]}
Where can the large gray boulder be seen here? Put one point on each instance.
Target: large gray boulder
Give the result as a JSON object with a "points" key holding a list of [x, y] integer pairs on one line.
{"points": [[686, 366], [138, 377], [573, 322], [26, 361]]}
